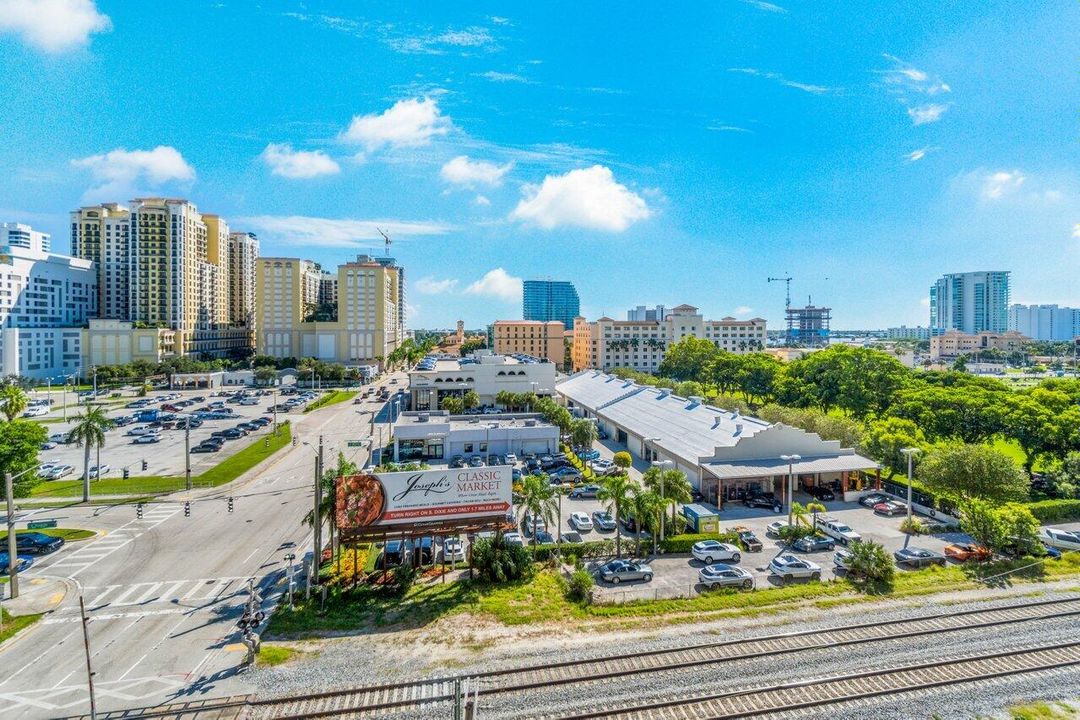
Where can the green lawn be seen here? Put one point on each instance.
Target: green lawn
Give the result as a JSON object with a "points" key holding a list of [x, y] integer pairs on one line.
{"points": [[330, 398], [271, 655], [67, 534], [12, 625], [541, 600], [1013, 450], [225, 471]]}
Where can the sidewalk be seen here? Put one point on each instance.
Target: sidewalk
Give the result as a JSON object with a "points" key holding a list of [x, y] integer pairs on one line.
{"points": [[36, 596]]}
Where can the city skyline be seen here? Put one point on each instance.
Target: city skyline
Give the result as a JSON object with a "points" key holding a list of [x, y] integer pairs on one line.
{"points": [[866, 156]]}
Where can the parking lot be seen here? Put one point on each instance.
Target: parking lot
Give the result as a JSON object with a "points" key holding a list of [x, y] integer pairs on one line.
{"points": [[165, 457]]}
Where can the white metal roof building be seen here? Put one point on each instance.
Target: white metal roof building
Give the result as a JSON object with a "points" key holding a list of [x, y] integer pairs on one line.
{"points": [[437, 435], [721, 452]]}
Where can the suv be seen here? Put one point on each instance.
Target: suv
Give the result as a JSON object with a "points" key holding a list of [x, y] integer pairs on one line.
{"points": [[709, 551], [788, 567], [585, 491]]}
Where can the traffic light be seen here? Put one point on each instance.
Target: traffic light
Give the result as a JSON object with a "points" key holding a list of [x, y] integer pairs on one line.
{"points": [[138, 508], [266, 441], [145, 465], [230, 504], [187, 509], [126, 473]]}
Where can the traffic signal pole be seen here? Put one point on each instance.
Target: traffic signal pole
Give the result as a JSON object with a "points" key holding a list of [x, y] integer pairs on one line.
{"points": [[187, 454]]}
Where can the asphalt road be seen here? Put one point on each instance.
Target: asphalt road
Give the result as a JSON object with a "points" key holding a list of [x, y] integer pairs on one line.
{"points": [[163, 593]]}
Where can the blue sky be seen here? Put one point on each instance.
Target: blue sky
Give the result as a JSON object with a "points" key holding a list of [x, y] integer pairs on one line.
{"points": [[651, 157]]}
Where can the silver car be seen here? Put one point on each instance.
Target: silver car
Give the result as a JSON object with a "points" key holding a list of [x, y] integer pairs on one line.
{"points": [[618, 571], [723, 575], [788, 567]]}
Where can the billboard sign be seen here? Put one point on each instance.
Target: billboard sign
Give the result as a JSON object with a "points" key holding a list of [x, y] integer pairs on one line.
{"points": [[398, 498]]}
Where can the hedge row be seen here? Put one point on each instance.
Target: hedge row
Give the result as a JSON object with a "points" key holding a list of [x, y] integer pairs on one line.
{"points": [[683, 543], [585, 550], [1055, 510]]}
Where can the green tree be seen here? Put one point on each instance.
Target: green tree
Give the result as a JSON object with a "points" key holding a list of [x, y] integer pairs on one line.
{"points": [[497, 561], [884, 440], [89, 432], [583, 433], [472, 345], [622, 460], [973, 471], [20, 441], [616, 493], [452, 404], [649, 512], [342, 467], [757, 377], [265, 374], [1044, 422], [687, 359], [537, 498], [981, 520], [14, 401], [970, 413], [870, 561], [723, 371], [690, 388], [1020, 529], [670, 484], [470, 400], [814, 508]]}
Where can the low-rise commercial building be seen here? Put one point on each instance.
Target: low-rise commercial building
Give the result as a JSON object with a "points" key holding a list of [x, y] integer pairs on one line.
{"points": [[544, 340], [724, 455], [483, 372], [423, 436], [640, 344], [953, 343], [116, 342]]}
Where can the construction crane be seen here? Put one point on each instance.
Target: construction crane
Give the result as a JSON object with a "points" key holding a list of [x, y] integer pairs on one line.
{"points": [[786, 280], [387, 240]]}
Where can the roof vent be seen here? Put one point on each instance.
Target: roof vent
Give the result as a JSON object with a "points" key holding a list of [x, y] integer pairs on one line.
{"points": [[424, 417], [530, 423], [664, 392], [628, 383], [716, 422], [738, 428], [696, 399], [474, 421]]}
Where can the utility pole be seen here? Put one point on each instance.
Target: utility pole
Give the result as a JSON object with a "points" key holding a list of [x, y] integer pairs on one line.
{"points": [[317, 524], [89, 670], [275, 414], [12, 549], [187, 454]]}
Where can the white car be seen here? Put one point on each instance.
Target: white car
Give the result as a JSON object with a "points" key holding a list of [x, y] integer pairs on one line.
{"points": [[36, 411], [774, 528], [581, 521], [838, 530], [513, 538], [1060, 539], [721, 575], [95, 471], [710, 551], [147, 439], [249, 401], [788, 567], [141, 430], [511, 459], [453, 550]]}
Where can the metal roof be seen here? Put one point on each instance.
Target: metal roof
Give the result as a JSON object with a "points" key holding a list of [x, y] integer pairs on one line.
{"points": [[765, 468]]}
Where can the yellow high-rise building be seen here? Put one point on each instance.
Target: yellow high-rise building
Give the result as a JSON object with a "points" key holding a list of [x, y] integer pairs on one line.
{"points": [[102, 233]]}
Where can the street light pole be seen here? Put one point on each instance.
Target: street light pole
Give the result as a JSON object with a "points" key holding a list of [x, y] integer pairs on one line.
{"points": [[89, 669], [790, 460], [13, 546], [187, 455], [910, 452], [318, 508]]}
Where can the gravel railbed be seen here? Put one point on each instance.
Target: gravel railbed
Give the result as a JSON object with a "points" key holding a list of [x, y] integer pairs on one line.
{"points": [[376, 659]]}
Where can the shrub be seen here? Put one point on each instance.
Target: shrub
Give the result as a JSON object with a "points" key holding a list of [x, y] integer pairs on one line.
{"points": [[791, 533], [913, 526], [594, 549], [683, 543], [579, 587], [404, 577], [870, 561], [497, 561], [1055, 510]]}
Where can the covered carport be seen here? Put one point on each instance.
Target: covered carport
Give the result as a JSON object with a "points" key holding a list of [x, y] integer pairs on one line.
{"points": [[842, 473]]}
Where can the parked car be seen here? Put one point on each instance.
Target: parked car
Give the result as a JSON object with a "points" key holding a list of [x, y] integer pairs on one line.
{"points": [[36, 411], [890, 508], [457, 461], [35, 543], [873, 499], [146, 439], [842, 559], [22, 562], [587, 454], [602, 467], [513, 538], [748, 539], [773, 529], [511, 459], [814, 543], [453, 550], [530, 525], [581, 521], [249, 426], [61, 438], [476, 461], [233, 434], [1060, 539], [820, 493], [618, 571], [543, 537], [571, 537], [585, 491], [788, 567], [765, 500], [59, 471], [48, 445], [603, 521], [918, 557], [396, 551], [965, 552], [205, 447], [837, 530], [96, 471], [709, 551], [565, 475], [722, 575], [141, 430]]}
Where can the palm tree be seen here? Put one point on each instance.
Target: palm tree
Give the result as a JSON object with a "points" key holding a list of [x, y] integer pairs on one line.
{"points": [[649, 510], [470, 400], [616, 492], [538, 500], [815, 508], [798, 512], [452, 404], [583, 433], [329, 490], [89, 432], [14, 400], [671, 485]]}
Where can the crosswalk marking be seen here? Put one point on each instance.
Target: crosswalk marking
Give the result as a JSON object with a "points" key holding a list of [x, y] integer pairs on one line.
{"points": [[190, 591]]}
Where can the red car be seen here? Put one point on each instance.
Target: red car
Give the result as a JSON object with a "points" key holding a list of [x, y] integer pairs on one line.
{"points": [[890, 508], [967, 552]]}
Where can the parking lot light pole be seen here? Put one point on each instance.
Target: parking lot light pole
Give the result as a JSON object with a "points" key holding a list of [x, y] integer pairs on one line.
{"points": [[910, 452], [13, 546], [790, 460]]}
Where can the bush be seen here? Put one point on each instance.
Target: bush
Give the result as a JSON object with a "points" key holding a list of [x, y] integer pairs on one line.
{"points": [[497, 561], [791, 533], [683, 543], [1046, 511], [579, 587], [914, 526], [871, 562], [594, 549], [404, 577]]}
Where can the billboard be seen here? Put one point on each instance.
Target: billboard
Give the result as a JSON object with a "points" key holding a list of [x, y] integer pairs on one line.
{"points": [[398, 498]]}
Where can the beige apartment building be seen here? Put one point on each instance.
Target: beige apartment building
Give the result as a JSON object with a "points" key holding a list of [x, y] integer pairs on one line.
{"points": [[953, 343], [243, 257], [102, 233], [640, 344], [365, 326], [545, 340]]}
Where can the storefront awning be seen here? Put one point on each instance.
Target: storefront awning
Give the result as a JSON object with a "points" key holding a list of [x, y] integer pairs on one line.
{"points": [[776, 466]]}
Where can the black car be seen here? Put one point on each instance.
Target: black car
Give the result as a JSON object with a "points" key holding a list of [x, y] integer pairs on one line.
{"points": [[554, 465], [457, 461], [765, 500], [261, 422], [233, 433], [206, 447], [36, 543], [249, 426], [821, 493]]}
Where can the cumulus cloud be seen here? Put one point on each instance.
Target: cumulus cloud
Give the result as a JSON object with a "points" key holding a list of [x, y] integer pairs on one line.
{"points": [[119, 173], [743, 310], [588, 198], [1076, 230], [1000, 184], [430, 286], [409, 123], [481, 201], [336, 232], [298, 164], [499, 284], [924, 114], [53, 26], [470, 173]]}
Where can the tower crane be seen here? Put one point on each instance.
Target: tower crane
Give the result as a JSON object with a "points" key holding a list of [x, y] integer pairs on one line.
{"points": [[787, 281], [386, 239]]}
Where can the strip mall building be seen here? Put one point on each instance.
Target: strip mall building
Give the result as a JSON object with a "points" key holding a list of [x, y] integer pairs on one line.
{"points": [[724, 454]]}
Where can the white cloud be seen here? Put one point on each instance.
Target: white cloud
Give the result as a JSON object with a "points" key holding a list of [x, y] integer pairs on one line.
{"points": [[743, 310], [430, 286], [919, 154], [728, 128], [502, 77], [911, 79], [470, 173], [777, 77], [53, 26], [470, 38], [119, 173], [924, 114], [336, 232], [298, 164], [925, 302], [588, 198], [1000, 184], [1076, 230], [499, 284], [766, 6], [408, 123], [481, 201]]}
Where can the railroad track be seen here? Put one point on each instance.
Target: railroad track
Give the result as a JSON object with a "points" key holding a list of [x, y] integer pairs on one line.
{"points": [[500, 685], [805, 694]]}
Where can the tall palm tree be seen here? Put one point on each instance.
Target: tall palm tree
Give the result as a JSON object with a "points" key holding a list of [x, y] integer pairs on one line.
{"points": [[798, 513], [616, 492], [14, 401], [329, 490], [539, 501], [649, 510], [583, 433], [671, 485], [814, 508], [89, 432]]}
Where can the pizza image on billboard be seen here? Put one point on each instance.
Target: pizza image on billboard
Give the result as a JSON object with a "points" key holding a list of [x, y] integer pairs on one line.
{"points": [[381, 499]]}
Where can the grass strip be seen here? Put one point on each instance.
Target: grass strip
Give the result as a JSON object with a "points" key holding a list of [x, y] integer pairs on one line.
{"points": [[9, 624], [330, 398], [65, 534]]}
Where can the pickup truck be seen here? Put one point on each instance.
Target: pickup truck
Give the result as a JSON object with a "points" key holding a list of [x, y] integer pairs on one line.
{"points": [[837, 529]]}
